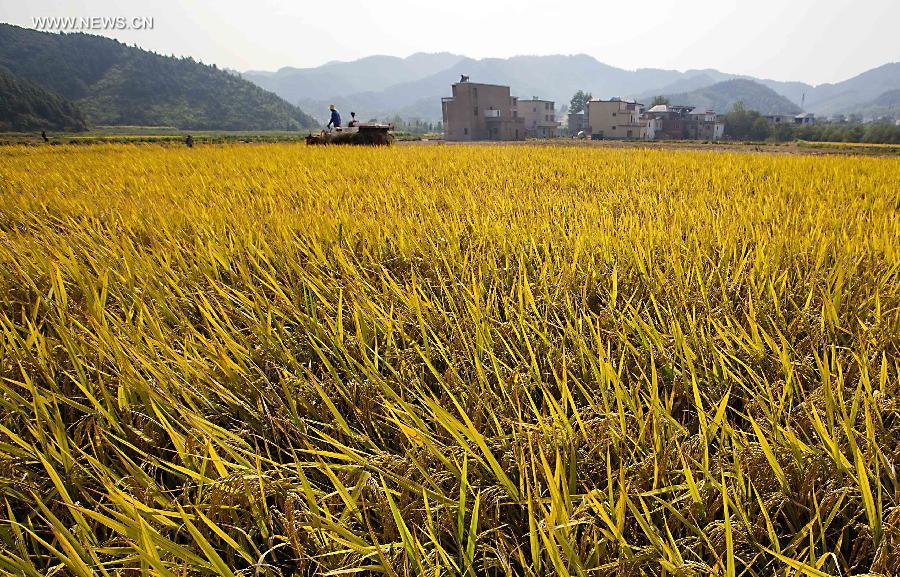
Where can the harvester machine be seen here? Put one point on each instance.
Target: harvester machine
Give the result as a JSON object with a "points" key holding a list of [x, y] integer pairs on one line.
{"points": [[364, 134]]}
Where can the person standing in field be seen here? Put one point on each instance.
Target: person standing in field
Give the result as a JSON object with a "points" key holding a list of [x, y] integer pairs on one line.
{"points": [[353, 120], [335, 121]]}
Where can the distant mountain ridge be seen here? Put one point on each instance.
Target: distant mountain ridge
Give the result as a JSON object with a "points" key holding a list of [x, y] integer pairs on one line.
{"points": [[372, 73], [118, 84], [400, 88], [886, 104], [845, 97]]}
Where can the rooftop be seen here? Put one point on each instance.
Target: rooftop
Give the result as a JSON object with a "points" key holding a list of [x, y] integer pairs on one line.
{"points": [[481, 84], [616, 99], [670, 108]]}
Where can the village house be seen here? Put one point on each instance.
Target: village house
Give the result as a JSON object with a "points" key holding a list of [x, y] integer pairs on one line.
{"points": [[614, 119], [803, 119], [667, 122], [778, 119], [577, 123], [705, 125], [670, 122], [539, 117], [481, 112]]}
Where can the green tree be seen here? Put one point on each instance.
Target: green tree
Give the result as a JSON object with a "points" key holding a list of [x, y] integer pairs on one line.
{"points": [[579, 101], [760, 129], [739, 121], [657, 100], [783, 133]]}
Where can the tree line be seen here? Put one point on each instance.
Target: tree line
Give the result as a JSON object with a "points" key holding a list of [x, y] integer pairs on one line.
{"points": [[743, 124]]}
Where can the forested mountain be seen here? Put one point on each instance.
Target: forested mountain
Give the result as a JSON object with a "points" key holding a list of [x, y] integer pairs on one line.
{"points": [[118, 84], [25, 106], [722, 97]]}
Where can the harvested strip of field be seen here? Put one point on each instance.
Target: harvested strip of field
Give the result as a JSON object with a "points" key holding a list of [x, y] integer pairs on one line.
{"points": [[283, 360]]}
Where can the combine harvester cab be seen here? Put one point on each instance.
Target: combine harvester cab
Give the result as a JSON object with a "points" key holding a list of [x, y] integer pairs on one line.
{"points": [[365, 134]]}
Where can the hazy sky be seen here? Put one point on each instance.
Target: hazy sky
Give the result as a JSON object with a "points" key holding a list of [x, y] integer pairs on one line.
{"points": [[812, 41]]}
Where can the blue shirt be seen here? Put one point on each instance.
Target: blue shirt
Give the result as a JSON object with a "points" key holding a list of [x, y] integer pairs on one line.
{"points": [[335, 118]]}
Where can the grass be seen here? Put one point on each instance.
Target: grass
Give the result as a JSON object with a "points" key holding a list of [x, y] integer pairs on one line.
{"points": [[853, 146], [280, 360]]}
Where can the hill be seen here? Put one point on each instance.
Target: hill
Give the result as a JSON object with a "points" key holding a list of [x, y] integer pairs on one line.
{"points": [[25, 106], [118, 84], [384, 86], [722, 97], [688, 84], [853, 95], [372, 73], [793, 91], [887, 104], [554, 77]]}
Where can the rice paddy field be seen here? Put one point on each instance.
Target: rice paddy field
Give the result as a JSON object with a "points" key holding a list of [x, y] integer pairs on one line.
{"points": [[247, 360]]}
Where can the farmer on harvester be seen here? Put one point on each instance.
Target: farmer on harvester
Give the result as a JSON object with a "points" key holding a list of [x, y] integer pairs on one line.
{"points": [[335, 121]]}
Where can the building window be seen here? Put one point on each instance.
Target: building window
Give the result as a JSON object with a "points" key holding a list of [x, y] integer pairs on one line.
{"points": [[476, 111]]}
